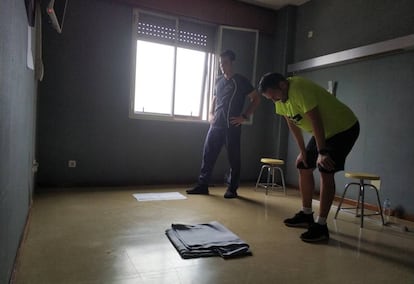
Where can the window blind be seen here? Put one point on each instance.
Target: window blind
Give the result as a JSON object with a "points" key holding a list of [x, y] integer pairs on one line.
{"points": [[176, 31]]}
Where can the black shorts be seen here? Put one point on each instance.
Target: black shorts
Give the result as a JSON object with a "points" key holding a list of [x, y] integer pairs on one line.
{"points": [[338, 147]]}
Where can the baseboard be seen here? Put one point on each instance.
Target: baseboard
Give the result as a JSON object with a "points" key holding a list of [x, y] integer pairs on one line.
{"points": [[373, 207]]}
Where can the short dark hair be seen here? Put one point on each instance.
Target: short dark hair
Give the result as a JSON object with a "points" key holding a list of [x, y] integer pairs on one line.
{"points": [[229, 54], [270, 81]]}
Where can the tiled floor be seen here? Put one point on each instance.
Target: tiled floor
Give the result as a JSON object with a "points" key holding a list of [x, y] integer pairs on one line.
{"points": [[104, 235]]}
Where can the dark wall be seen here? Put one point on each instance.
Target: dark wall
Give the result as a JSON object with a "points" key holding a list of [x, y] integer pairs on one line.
{"points": [[283, 47], [17, 104], [379, 89], [84, 104], [338, 25]]}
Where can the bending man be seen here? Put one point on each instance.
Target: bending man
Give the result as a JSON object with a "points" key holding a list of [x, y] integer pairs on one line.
{"points": [[334, 129]]}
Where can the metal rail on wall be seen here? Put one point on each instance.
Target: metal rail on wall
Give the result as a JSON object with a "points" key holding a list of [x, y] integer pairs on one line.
{"points": [[396, 45]]}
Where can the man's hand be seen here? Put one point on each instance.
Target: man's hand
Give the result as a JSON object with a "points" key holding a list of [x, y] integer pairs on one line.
{"points": [[301, 159], [237, 120], [326, 162]]}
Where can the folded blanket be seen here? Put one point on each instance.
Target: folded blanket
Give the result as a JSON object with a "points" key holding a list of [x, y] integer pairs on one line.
{"points": [[211, 239]]}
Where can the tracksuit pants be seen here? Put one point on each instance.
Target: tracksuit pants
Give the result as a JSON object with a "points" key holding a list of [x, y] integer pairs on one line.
{"points": [[215, 140]]}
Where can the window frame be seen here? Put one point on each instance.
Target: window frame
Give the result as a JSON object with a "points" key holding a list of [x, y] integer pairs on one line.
{"points": [[209, 74]]}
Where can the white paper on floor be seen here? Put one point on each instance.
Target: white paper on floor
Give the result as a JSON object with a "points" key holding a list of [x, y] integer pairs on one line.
{"points": [[158, 196]]}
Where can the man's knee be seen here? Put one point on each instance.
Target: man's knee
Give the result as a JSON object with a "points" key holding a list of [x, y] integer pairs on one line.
{"points": [[322, 170], [302, 166]]}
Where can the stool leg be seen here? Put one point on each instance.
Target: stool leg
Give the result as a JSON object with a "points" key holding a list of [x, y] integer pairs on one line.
{"points": [[342, 199], [260, 176], [268, 178], [363, 201], [358, 201], [379, 204], [273, 178]]}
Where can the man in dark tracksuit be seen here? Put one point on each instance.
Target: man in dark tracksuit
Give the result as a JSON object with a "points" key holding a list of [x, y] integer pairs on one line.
{"points": [[226, 118]]}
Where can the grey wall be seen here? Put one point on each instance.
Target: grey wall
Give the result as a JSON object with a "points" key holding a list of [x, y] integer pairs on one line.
{"points": [[83, 110], [379, 90], [339, 25], [17, 104]]}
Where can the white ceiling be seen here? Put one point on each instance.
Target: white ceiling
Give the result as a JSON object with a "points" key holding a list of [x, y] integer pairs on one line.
{"points": [[275, 4]]}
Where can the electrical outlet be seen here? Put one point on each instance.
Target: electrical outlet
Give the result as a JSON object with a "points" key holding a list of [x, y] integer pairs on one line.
{"points": [[72, 164]]}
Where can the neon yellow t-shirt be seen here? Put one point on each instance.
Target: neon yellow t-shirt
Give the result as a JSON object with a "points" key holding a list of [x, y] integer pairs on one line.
{"points": [[303, 96]]}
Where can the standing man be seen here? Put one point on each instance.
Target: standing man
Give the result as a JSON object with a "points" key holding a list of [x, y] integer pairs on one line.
{"points": [[225, 119], [334, 128]]}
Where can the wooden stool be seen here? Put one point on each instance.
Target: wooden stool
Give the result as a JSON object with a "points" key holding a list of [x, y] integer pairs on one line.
{"points": [[271, 165], [362, 177]]}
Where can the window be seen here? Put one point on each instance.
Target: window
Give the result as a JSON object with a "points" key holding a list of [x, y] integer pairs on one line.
{"points": [[174, 63]]}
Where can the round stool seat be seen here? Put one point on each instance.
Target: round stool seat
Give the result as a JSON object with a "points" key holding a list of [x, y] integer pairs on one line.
{"points": [[360, 175], [271, 161]]}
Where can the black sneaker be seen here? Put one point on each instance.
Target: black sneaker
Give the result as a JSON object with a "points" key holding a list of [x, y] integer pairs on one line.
{"points": [[230, 194], [300, 220], [316, 233], [199, 189]]}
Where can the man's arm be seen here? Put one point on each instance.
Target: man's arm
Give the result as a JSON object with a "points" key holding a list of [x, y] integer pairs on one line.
{"points": [[254, 103], [297, 133], [319, 133], [212, 109], [317, 127]]}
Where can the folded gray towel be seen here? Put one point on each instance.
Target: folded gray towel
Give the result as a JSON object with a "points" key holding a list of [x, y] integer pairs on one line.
{"points": [[211, 239]]}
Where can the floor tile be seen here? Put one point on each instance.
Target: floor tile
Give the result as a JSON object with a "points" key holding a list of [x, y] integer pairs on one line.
{"points": [[104, 235]]}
